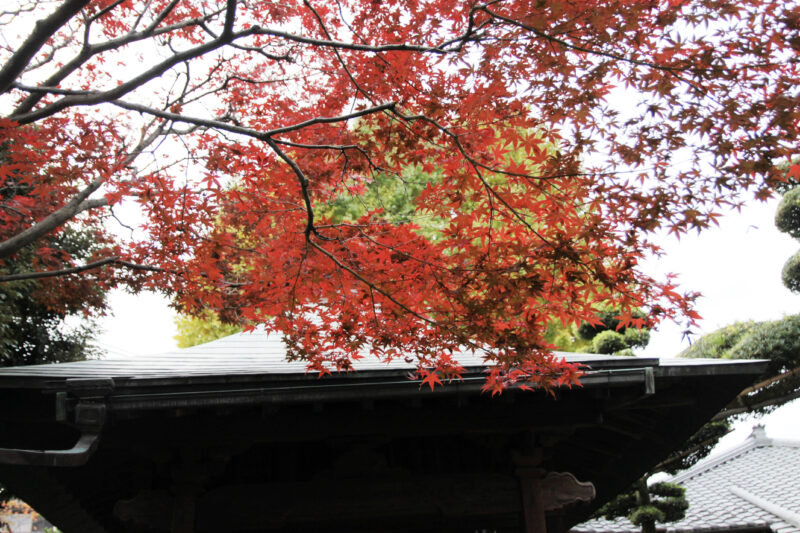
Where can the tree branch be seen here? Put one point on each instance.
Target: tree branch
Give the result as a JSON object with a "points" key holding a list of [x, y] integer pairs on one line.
{"points": [[43, 30], [115, 260], [578, 48], [94, 203], [725, 413], [303, 187], [769, 381], [88, 52], [248, 132], [49, 223], [92, 98]]}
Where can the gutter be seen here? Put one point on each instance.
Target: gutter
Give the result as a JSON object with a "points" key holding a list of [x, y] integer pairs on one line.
{"points": [[97, 397]]}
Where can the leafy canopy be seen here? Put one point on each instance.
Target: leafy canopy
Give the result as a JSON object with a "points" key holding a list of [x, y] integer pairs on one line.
{"points": [[240, 128], [202, 329]]}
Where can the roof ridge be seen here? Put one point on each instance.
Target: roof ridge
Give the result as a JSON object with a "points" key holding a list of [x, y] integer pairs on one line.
{"points": [[712, 462], [757, 439], [787, 443], [787, 515]]}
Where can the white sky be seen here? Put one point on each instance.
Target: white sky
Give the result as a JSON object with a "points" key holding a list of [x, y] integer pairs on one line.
{"points": [[737, 266]]}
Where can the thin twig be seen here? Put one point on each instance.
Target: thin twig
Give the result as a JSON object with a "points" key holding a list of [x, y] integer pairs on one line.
{"points": [[115, 260]]}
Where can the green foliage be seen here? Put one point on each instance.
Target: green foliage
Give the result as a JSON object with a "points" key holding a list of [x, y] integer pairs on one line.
{"points": [[787, 220], [787, 216], [622, 505], [637, 338], [645, 505], [608, 342], [602, 338], [199, 330], [665, 489], [33, 314], [670, 499], [632, 337], [718, 344], [566, 338], [777, 341], [608, 337], [791, 273], [608, 321], [394, 195], [648, 513]]}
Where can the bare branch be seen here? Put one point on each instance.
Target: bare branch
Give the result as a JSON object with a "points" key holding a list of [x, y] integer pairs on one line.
{"points": [[248, 132], [303, 185], [115, 260], [230, 18], [94, 203], [43, 30], [722, 415], [87, 52], [770, 381], [93, 98]]}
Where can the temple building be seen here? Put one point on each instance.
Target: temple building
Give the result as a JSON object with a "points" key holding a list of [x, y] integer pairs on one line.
{"points": [[751, 488], [230, 437]]}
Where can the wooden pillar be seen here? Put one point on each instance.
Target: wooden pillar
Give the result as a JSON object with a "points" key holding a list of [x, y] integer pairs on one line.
{"points": [[189, 473], [534, 513], [184, 509]]}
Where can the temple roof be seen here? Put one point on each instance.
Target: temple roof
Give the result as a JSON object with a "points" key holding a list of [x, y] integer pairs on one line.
{"points": [[255, 352], [753, 486], [95, 445], [259, 353]]}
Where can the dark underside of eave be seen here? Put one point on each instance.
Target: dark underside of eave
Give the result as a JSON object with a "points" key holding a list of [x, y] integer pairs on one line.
{"points": [[416, 462]]}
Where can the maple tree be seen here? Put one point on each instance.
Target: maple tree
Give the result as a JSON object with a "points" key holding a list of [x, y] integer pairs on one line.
{"points": [[48, 319], [51, 321], [231, 123]]}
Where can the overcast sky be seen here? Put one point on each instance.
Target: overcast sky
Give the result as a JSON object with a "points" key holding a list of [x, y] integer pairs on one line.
{"points": [[737, 266]]}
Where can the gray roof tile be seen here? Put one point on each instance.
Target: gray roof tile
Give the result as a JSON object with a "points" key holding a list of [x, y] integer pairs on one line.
{"points": [[258, 352], [755, 483], [255, 352]]}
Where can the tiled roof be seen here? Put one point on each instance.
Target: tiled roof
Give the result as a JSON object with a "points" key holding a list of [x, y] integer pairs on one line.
{"points": [[755, 484], [259, 352]]}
